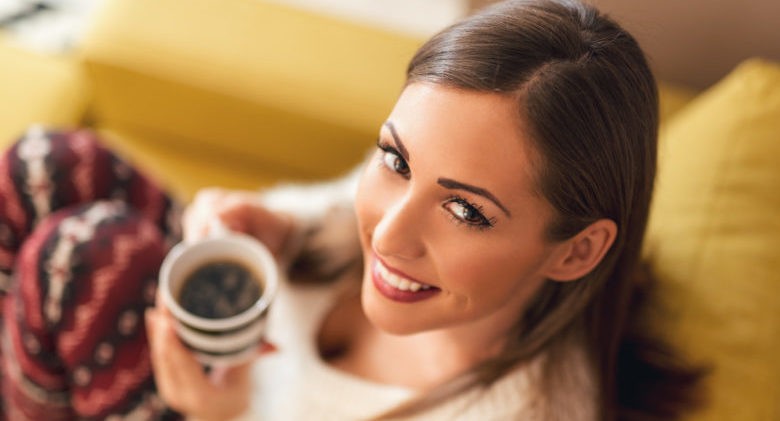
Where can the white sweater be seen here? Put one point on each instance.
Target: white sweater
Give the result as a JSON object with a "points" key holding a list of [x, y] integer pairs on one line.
{"points": [[295, 384]]}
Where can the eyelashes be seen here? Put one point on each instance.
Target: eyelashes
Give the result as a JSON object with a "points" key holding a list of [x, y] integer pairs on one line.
{"points": [[392, 160], [464, 212], [460, 210]]}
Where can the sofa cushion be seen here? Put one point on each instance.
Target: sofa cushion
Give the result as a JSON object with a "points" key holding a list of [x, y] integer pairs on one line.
{"points": [[673, 98], [714, 239]]}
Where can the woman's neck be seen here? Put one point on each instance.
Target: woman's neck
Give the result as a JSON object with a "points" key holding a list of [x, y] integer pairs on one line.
{"points": [[420, 361]]}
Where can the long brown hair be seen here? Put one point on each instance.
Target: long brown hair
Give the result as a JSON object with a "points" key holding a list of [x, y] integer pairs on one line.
{"points": [[586, 90]]}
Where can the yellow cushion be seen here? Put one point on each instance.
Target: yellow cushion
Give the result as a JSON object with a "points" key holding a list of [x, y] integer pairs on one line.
{"points": [[38, 88], [714, 239], [673, 98], [300, 94]]}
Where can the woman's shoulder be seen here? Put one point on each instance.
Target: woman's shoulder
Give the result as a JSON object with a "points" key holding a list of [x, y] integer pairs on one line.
{"points": [[561, 387], [531, 392]]}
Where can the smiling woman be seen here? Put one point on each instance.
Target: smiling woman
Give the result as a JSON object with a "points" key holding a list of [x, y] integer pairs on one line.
{"points": [[499, 220]]}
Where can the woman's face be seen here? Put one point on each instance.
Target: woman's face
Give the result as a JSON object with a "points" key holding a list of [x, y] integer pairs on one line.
{"points": [[451, 229]]}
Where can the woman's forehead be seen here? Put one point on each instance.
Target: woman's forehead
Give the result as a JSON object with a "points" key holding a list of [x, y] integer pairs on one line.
{"points": [[464, 134]]}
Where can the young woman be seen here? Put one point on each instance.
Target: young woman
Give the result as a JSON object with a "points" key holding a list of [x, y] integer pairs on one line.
{"points": [[486, 256]]}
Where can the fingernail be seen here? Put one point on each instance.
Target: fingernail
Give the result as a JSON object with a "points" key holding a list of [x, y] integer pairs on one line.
{"points": [[267, 348]]}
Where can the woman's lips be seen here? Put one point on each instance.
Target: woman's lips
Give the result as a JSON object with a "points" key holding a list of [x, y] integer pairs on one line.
{"points": [[397, 287]]}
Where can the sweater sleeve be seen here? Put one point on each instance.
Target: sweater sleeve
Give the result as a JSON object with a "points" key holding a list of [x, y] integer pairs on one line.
{"points": [[324, 242]]}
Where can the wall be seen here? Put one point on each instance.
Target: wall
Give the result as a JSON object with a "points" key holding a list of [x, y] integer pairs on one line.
{"points": [[696, 42]]}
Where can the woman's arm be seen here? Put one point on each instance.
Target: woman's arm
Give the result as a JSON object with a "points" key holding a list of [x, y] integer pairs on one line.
{"points": [[310, 228]]}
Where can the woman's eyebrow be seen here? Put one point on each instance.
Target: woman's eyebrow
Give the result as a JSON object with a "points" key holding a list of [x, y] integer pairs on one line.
{"points": [[447, 182], [398, 143], [452, 184]]}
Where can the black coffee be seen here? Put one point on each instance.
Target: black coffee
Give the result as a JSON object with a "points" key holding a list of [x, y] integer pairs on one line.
{"points": [[220, 289]]}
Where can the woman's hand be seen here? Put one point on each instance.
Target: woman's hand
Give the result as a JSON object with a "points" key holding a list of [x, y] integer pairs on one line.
{"points": [[239, 211], [181, 381]]}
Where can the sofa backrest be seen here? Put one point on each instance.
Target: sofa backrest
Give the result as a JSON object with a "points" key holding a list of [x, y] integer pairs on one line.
{"points": [[245, 82]]}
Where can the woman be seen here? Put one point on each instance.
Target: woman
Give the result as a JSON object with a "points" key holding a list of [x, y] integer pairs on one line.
{"points": [[499, 223]]}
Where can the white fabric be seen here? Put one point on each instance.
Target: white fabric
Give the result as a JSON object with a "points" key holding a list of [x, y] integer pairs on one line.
{"points": [[294, 383]]}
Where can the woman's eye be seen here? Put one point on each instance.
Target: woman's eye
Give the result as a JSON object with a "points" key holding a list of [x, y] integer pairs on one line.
{"points": [[466, 212], [394, 161]]}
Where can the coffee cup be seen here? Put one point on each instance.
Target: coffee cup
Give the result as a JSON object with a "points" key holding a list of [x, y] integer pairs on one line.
{"points": [[219, 290]]}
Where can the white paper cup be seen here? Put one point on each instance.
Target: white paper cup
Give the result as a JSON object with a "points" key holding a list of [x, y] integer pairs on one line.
{"points": [[223, 341]]}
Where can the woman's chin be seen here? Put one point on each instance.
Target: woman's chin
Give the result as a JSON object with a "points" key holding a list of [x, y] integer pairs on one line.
{"points": [[388, 317]]}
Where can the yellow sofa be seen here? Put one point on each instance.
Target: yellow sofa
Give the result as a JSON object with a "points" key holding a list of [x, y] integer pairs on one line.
{"points": [[243, 93]]}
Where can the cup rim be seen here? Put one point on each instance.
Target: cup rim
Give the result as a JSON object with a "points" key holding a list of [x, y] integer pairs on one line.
{"points": [[225, 360], [267, 264]]}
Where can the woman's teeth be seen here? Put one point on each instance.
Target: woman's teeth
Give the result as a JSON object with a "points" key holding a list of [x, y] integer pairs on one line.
{"points": [[398, 282]]}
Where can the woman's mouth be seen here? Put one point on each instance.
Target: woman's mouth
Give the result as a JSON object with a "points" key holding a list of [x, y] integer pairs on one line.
{"points": [[397, 287]]}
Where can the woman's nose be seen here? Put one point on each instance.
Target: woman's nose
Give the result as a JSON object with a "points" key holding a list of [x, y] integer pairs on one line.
{"points": [[400, 230]]}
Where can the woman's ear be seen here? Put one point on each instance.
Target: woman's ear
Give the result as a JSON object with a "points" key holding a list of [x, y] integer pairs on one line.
{"points": [[577, 256]]}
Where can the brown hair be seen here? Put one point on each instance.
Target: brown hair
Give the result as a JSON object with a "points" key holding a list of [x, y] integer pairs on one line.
{"points": [[586, 90]]}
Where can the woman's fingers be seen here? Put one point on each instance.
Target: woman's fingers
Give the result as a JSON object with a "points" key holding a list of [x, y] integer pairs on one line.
{"points": [[178, 375], [164, 378], [195, 221], [266, 347], [271, 228], [239, 211], [180, 378]]}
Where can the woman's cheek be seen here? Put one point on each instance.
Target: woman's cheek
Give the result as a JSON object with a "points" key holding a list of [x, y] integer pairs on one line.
{"points": [[470, 267], [462, 274]]}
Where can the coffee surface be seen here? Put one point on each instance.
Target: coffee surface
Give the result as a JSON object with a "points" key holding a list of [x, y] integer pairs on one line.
{"points": [[220, 289]]}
